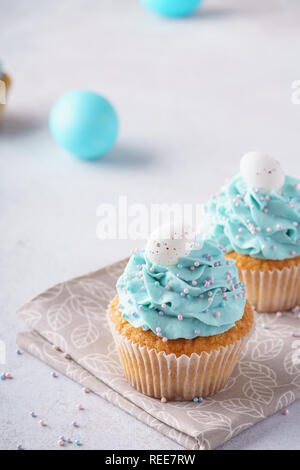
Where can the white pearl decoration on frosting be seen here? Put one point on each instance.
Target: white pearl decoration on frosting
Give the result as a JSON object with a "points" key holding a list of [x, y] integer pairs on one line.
{"points": [[261, 171], [169, 242]]}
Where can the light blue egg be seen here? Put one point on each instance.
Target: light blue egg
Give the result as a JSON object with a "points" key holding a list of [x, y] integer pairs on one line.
{"points": [[173, 8], [84, 123]]}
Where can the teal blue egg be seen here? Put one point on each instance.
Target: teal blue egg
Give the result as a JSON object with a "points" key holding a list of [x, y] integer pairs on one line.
{"points": [[84, 123], [172, 8]]}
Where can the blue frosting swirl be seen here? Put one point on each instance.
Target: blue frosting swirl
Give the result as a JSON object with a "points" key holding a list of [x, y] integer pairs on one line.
{"points": [[259, 224], [200, 296]]}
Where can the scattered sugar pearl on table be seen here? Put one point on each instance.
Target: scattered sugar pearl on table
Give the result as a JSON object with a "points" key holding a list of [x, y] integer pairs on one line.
{"points": [[32, 414], [78, 443], [67, 356], [285, 412], [2, 377], [180, 317], [163, 400], [54, 375], [264, 326], [86, 390], [61, 443], [20, 447], [75, 424], [42, 423], [80, 407], [165, 339]]}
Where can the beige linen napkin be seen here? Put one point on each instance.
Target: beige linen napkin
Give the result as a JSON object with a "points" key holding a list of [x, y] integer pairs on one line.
{"points": [[72, 317]]}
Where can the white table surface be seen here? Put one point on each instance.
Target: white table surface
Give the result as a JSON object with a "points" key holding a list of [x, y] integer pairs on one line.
{"points": [[193, 95]]}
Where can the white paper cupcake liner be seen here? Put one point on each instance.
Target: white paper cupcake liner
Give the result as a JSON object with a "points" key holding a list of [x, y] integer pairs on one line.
{"points": [[2, 106], [2, 109], [165, 375], [272, 291]]}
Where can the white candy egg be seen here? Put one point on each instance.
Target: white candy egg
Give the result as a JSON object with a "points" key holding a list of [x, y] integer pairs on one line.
{"points": [[170, 242], [261, 171]]}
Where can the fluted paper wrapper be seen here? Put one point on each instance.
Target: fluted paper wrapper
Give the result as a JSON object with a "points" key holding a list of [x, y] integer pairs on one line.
{"points": [[272, 291], [183, 378], [73, 316], [6, 80]]}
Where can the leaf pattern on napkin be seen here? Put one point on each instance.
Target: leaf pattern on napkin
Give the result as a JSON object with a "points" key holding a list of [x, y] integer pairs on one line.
{"points": [[72, 317]]}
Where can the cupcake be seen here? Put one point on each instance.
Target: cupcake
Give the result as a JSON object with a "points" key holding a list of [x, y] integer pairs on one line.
{"points": [[255, 220], [4, 86], [180, 316]]}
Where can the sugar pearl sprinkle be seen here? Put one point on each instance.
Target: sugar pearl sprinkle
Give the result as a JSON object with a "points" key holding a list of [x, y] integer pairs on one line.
{"points": [[5, 376], [197, 400]]}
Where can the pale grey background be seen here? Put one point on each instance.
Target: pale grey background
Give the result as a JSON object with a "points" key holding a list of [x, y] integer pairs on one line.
{"points": [[193, 95]]}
